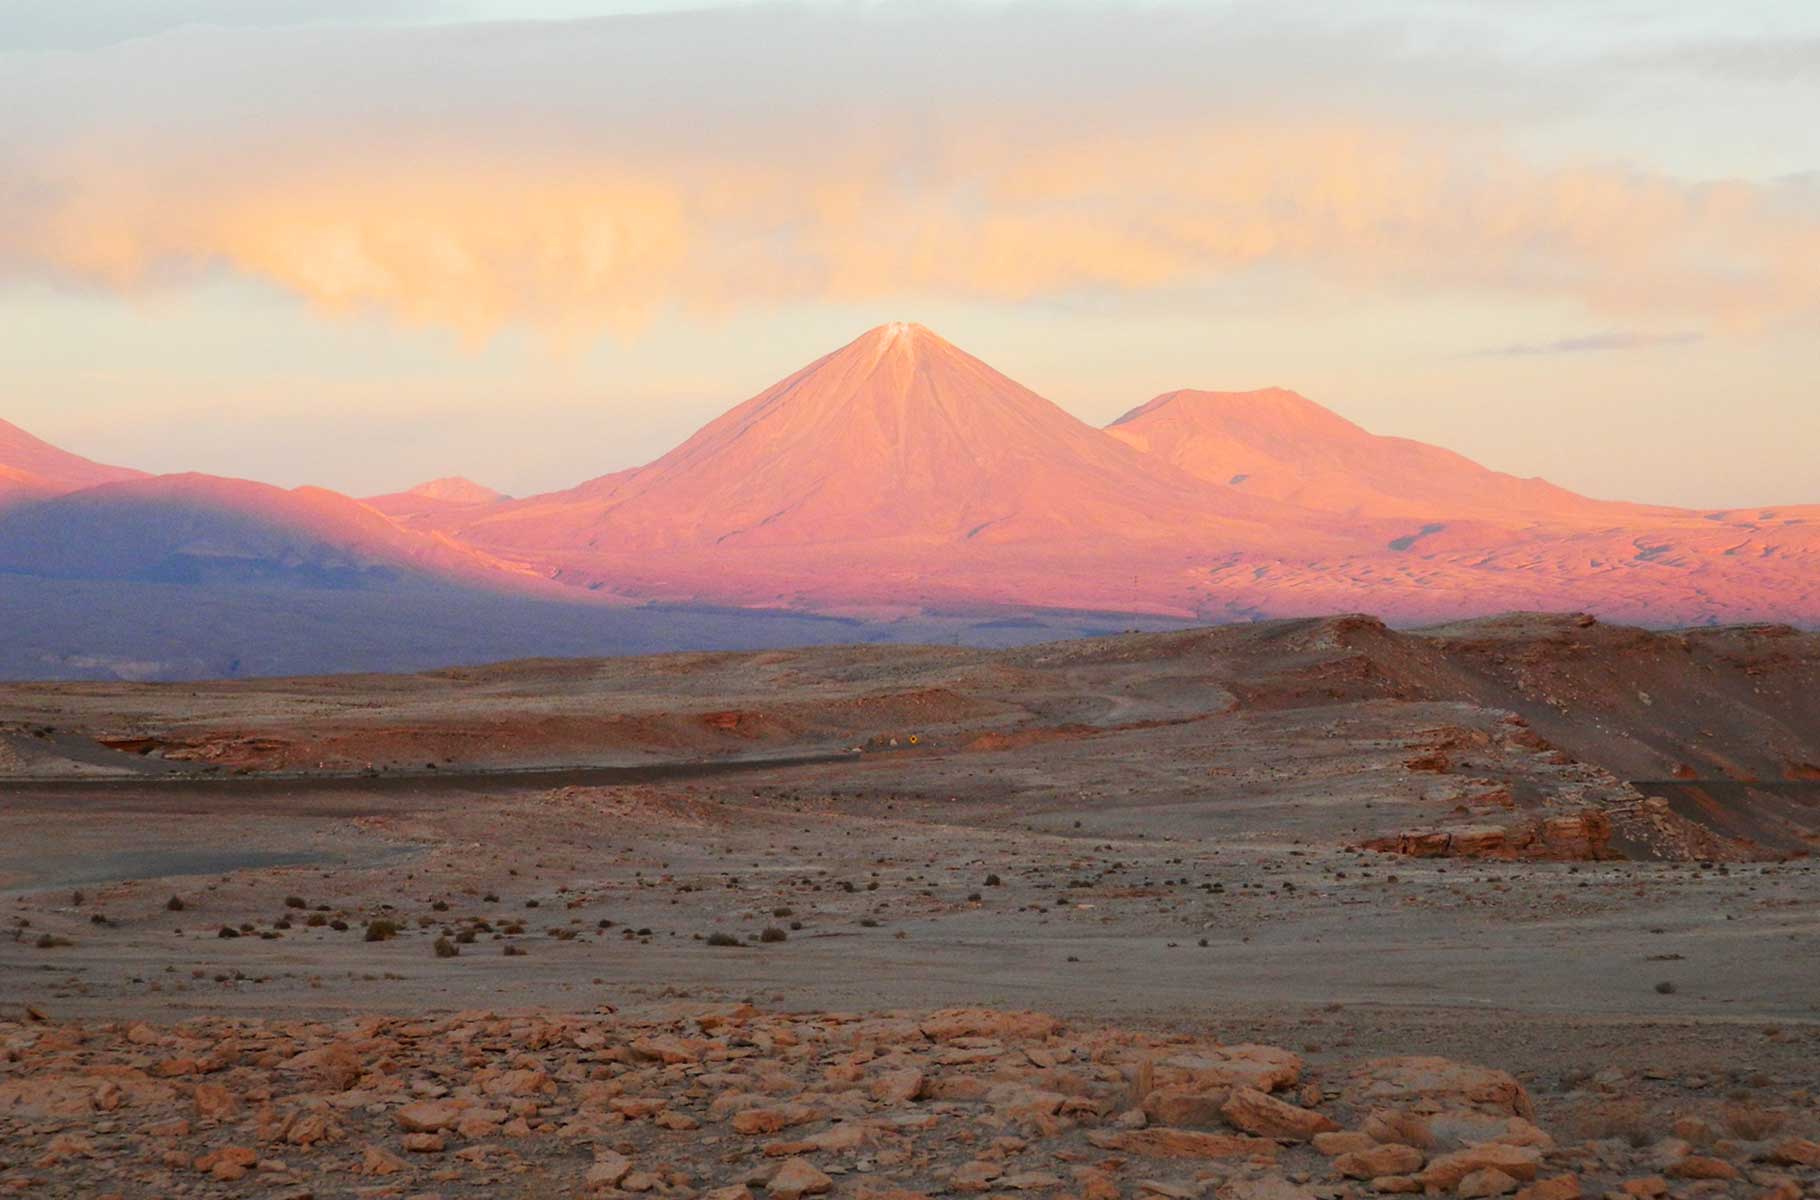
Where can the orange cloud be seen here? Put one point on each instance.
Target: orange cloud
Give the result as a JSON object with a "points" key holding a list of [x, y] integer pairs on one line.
{"points": [[569, 241]]}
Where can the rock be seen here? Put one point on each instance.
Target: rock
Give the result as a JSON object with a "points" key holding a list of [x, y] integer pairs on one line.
{"points": [[1696, 1166], [228, 1163], [975, 1176], [427, 1116], [1093, 1183], [1266, 1068], [1028, 1181], [1439, 1083], [665, 1049], [1343, 1142], [1561, 1187], [1400, 1126], [308, 1129], [480, 1122], [214, 1102], [1796, 1152], [1487, 1182], [423, 1143], [770, 1120], [379, 1161], [897, 1087], [1447, 1170], [1389, 1159], [1646, 1188], [1254, 1112], [1162, 1142], [1397, 1185], [798, 1177], [608, 1169]]}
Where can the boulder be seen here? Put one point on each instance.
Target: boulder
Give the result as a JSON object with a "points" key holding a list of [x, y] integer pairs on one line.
{"points": [[1254, 1112], [798, 1177]]}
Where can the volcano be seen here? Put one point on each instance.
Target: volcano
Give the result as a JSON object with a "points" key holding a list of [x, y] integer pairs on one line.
{"points": [[1276, 443], [898, 437], [894, 481], [902, 473]]}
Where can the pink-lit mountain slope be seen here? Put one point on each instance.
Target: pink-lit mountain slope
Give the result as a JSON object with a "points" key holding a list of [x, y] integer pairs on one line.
{"points": [[1282, 445], [202, 528], [33, 469], [901, 473], [429, 504], [898, 437]]}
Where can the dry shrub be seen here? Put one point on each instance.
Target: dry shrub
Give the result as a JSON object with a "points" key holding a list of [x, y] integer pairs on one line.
{"points": [[1752, 1122], [1604, 1120]]}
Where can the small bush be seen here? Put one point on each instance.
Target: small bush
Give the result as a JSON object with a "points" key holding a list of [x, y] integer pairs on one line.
{"points": [[773, 934], [445, 948], [295, 902], [994, 881], [174, 904], [316, 920], [868, 922], [228, 931], [513, 950], [48, 941], [1666, 988], [1752, 1122], [722, 939], [381, 930]]}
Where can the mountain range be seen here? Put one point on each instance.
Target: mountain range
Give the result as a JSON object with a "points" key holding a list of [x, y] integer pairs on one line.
{"points": [[899, 481]]}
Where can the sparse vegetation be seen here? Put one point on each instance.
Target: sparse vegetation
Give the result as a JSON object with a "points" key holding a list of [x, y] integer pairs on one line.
{"points": [[1752, 1122], [381, 930]]}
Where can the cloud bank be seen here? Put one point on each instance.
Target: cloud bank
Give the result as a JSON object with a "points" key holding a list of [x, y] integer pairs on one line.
{"points": [[581, 176]]}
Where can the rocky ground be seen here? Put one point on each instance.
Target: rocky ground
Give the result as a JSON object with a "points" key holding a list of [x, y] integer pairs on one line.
{"points": [[778, 923], [725, 1101]]}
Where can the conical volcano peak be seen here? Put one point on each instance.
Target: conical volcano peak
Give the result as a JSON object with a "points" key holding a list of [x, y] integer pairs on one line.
{"points": [[1272, 404], [896, 333], [901, 340]]}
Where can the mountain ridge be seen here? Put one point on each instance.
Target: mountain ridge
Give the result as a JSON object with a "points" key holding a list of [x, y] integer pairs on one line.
{"points": [[899, 475]]}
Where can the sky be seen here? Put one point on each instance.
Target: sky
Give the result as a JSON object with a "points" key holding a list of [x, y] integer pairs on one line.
{"points": [[362, 244]]}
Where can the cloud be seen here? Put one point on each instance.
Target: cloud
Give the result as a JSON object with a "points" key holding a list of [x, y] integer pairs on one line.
{"points": [[579, 176], [1617, 340]]}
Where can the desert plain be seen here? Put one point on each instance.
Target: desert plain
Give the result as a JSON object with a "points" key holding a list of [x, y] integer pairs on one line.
{"points": [[1294, 909]]}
